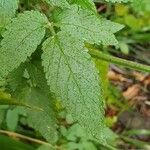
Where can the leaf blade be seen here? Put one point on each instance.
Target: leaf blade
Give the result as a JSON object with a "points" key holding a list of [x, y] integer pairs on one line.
{"points": [[88, 4], [20, 40], [101, 31], [71, 75], [44, 120], [7, 11]]}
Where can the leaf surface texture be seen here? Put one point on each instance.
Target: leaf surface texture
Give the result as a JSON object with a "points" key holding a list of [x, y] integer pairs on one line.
{"points": [[20, 40], [87, 26], [43, 120], [7, 11], [59, 3], [71, 75]]}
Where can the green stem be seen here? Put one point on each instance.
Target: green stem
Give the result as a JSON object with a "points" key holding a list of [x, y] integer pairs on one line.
{"points": [[130, 64], [137, 143], [51, 27]]}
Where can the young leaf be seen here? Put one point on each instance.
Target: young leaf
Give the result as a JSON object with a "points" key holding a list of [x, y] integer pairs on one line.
{"points": [[71, 75], [87, 26], [21, 39], [88, 4], [7, 11], [59, 3], [12, 119], [43, 120]]}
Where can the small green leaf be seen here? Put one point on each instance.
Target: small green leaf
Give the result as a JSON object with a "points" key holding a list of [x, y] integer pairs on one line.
{"points": [[124, 48], [88, 4], [141, 5], [6, 99], [20, 40], [12, 119]]}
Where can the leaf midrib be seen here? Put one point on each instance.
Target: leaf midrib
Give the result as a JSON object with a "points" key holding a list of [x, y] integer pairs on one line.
{"points": [[58, 43]]}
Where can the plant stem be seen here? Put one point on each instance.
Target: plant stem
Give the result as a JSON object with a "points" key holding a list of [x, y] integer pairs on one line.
{"points": [[51, 27], [130, 64], [20, 136], [137, 143]]}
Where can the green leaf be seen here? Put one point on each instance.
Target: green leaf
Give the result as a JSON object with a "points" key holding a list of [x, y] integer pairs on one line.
{"points": [[12, 119], [71, 75], [74, 132], [37, 76], [111, 136], [43, 120], [6, 143], [124, 47], [59, 3], [21, 39], [87, 26], [141, 5], [6, 99], [7, 11], [88, 4], [15, 80]]}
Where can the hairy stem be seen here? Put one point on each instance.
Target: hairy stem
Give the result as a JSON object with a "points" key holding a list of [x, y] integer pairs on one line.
{"points": [[130, 64], [137, 143]]}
